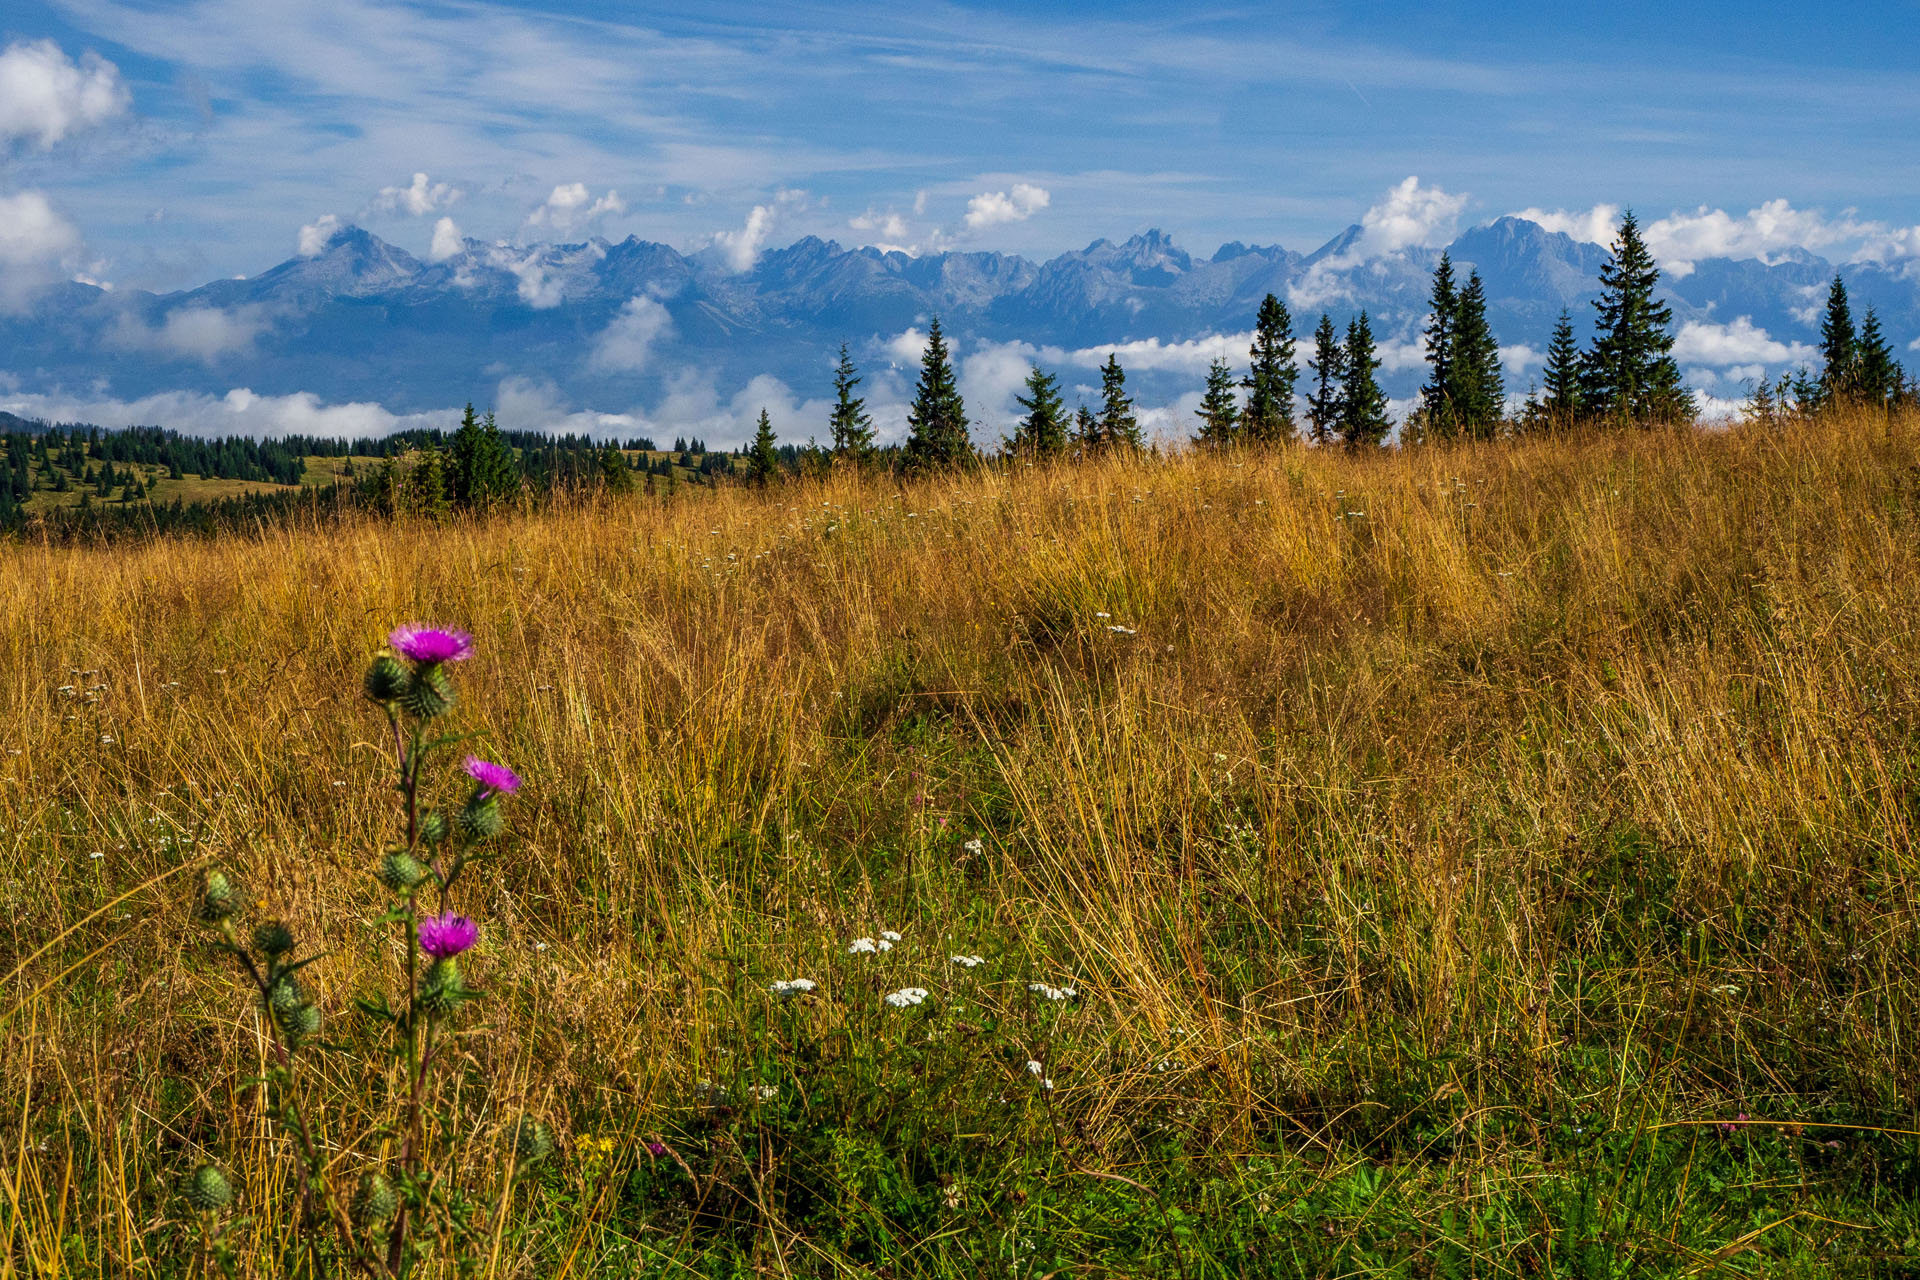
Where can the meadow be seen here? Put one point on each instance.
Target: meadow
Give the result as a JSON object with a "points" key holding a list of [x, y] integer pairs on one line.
{"points": [[1481, 861]]}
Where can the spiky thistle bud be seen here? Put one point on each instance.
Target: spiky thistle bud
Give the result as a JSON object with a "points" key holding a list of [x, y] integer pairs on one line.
{"points": [[303, 1025], [285, 999], [400, 870], [433, 828], [206, 1189], [480, 818], [441, 991], [373, 1200], [273, 938], [428, 694], [220, 899], [386, 679], [529, 1140]]}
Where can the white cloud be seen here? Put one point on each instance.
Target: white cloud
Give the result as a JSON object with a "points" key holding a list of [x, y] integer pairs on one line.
{"points": [[993, 208], [991, 377], [1518, 357], [447, 241], [198, 332], [315, 235], [571, 205], [1739, 343], [1597, 225], [627, 343], [890, 225], [1766, 232], [907, 346], [742, 247], [419, 199], [1398, 357], [37, 246], [238, 413], [1152, 355], [1410, 216], [536, 289], [45, 96]]}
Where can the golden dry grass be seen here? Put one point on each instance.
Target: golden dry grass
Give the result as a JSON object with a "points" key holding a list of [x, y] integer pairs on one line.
{"points": [[1546, 779]]}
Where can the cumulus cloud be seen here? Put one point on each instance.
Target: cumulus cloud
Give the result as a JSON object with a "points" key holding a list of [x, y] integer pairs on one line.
{"points": [[889, 225], [1739, 343], [537, 289], [419, 199], [197, 332], [994, 208], [238, 413], [447, 241], [1767, 232], [315, 235], [37, 246], [742, 248], [1398, 357], [571, 205], [1518, 357], [46, 96], [1151, 355], [907, 346], [1409, 217], [627, 343]]}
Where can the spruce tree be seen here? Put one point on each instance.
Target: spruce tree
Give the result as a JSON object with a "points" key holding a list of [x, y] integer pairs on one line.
{"points": [[1629, 374], [1086, 432], [763, 457], [1268, 416], [1363, 405], [1880, 376], [1437, 408], [1562, 404], [1839, 348], [1043, 432], [481, 470], [1119, 428], [937, 437], [1479, 393], [1329, 366], [852, 427], [1219, 411]]}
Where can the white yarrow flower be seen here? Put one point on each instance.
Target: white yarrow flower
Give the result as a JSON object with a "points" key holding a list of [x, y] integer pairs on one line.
{"points": [[968, 962], [888, 935], [863, 946], [974, 846], [1052, 993], [906, 996], [791, 986]]}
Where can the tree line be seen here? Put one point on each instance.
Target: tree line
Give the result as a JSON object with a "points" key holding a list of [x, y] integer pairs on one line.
{"points": [[1625, 376]]}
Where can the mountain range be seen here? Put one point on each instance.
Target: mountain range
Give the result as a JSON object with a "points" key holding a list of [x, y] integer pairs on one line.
{"points": [[637, 328]]}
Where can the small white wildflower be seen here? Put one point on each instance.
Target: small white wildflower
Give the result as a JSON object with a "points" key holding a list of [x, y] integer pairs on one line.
{"points": [[974, 846], [863, 946], [1035, 1068], [1052, 993], [1103, 615], [765, 1092], [1119, 630], [906, 996], [888, 935], [791, 986], [96, 854], [968, 962], [1038, 1072]]}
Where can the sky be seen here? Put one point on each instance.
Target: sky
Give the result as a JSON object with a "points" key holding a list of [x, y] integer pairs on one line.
{"points": [[159, 145]]}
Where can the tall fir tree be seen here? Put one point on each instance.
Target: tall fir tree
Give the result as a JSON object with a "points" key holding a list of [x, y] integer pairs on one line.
{"points": [[1561, 407], [1628, 375], [1479, 394], [1042, 433], [763, 456], [1119, 427], [937, 438], [1880, 376], [1219, 411], [481, 469], [1363, 405], [1839, 348], [1268, 415], [1329, 366], [1438, 412], [850, 424]]}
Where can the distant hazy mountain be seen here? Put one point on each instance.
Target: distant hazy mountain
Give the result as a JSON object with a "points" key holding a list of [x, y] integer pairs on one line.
{"points": [[617, 327]]}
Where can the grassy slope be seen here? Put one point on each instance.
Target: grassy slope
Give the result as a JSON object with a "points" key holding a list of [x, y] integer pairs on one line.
{"points": [[1449, 845]]}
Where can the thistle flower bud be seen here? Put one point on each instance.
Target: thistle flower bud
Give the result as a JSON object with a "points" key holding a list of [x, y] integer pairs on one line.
{"points": [[386, 679], [481, 816], [428, 694], [304, 1025], [220, 899], [286, 1000], [373, 1200], [433, 828], [206, 1189], [441, 991], [528, 1139], [273, 938], [400, 870]]}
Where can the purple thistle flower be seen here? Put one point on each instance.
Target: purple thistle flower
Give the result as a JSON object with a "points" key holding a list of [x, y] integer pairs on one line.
{"points": [[494, 779], [431, 645], [658, 1149], [445, 936]]}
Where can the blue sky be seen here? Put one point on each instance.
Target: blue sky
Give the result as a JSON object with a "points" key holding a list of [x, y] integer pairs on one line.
{"points": [[158, 145]]}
